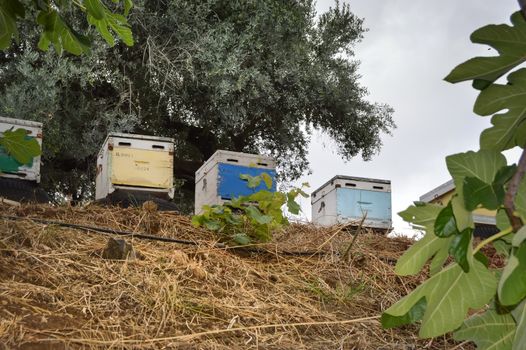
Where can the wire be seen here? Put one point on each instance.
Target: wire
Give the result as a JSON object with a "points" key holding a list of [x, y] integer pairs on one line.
{"points": [[105, 230]]}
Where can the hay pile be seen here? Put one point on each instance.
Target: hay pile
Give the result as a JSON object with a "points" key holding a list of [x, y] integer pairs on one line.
{"points": [[57, 292]]}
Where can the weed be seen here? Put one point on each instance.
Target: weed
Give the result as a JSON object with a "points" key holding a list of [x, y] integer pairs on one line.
{"points": [[252, 218]]}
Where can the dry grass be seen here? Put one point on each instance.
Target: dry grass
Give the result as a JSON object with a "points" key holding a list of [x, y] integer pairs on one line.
{"points": [[56, 292]]}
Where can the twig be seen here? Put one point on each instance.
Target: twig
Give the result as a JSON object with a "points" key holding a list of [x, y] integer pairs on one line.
{"points": [[460, 346], [228, 330], [9, 202], [358, 231], [513, 188], [336, 232]]}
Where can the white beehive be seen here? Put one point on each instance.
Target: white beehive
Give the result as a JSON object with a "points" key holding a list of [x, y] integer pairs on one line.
{"points": [[346, 199], [128, 162], [217, 180], [13, 169]]}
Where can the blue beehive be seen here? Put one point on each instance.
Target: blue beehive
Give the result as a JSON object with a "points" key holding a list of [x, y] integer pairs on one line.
{"points": [[218, 179], [346, 199]]}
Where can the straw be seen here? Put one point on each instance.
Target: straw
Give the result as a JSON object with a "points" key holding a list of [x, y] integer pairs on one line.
{"points": [[56, 290]]}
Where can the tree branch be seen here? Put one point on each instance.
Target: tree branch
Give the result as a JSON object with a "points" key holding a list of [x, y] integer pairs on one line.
{"points": [[522, 4], [513, 188]]}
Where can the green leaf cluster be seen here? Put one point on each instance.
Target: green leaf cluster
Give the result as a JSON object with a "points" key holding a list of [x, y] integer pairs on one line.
{"points": [[104, 20], [481, 179], [449, 295], [510, 43], [58, 31], [252, 218], [509, 129]]}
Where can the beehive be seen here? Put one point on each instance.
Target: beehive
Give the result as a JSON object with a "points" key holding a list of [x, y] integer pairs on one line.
{"points": [[11, 168], [346, 199], [485, 220], [218, 179], [130, 162]]}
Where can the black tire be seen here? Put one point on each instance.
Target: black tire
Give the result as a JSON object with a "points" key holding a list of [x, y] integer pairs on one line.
{"points": [[128, 199], [22, 191]]}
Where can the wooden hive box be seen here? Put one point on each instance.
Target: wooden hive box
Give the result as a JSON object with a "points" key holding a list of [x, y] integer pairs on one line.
{"points": [[128, 162], [345, 199], [11, 168], [218, 179]]}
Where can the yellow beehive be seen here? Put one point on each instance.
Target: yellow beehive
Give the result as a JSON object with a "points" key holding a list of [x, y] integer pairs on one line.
{"points": [[139, 167], [484, 219], [135, 162]]}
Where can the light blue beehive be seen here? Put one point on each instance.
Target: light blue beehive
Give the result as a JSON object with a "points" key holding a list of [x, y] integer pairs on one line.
{"points": [[218, 179], [345, 199]]}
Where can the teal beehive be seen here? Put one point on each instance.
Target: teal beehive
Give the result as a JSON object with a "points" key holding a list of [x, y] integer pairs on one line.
{"points": [[348, 199], [11, 168]]}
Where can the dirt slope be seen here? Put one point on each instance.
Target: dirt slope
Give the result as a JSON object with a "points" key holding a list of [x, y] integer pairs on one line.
{"points": [[57, 292]]}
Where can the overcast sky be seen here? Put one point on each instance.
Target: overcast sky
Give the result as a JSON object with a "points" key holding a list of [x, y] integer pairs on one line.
{"points": [[409, 48]]}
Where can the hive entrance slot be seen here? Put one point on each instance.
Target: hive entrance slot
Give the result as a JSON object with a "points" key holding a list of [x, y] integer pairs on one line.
{"points": [[262, 164], [348, 184], [121, 143], [378, 187], [157, 146], [232, 160], [15, 173]]}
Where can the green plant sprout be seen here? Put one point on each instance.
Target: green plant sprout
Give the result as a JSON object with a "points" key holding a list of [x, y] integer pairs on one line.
{"points": [[252, 218]]}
